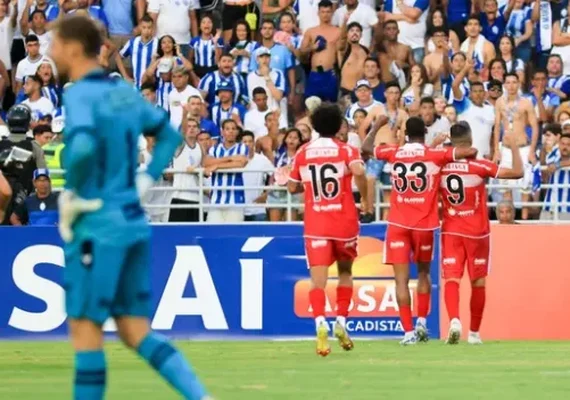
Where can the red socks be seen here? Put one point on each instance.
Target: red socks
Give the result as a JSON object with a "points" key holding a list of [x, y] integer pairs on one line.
{"points": [[343, 298], [423, 304], [318, 301], [406, 318], [451, 295], [477, 307]]}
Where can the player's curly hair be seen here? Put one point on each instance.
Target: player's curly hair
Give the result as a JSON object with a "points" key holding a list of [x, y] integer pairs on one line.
{"points": [[327, 120]]}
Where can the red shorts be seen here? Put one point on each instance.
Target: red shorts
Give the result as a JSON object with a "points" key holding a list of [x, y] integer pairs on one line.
{"points": [[325, 252], [457, 251], [402, 242]]}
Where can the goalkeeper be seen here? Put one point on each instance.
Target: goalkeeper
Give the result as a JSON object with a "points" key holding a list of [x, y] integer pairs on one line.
{"points": [[101, 219]]}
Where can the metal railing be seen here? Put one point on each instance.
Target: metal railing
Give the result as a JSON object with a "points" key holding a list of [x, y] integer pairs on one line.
{"points": [[202, 189]]}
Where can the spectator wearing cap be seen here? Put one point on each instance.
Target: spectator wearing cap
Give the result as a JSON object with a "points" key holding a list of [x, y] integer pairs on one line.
{"points": [[180, 94], [195, 109], [226, 107], [40, 106], [29, 65], [140, 50], [36, 24], [225, 73], [281, 58], [175, 18], [40, 208], [363, 14], [270, 79], [365, 101], [411, 16], [53, 150]]}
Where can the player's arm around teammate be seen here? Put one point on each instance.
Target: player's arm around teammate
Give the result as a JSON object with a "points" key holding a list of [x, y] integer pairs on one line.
{"points": [[5, 195]]}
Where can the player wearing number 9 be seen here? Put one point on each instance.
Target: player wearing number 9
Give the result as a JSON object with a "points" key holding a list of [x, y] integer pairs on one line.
{"points": [[465, 228], [324, 169], [413, 216]]}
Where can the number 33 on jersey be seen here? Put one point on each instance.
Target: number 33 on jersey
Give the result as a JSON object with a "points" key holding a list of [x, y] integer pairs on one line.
{"points": [[323, 167], [415, 182]]}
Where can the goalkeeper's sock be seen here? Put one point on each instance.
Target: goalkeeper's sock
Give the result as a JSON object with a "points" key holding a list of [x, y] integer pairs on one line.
{"points": [[423, 304], [451, 296], [171, 365], [90, 375], [478, 296]]}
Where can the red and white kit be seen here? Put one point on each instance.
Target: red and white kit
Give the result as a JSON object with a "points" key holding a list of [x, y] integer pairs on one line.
{"points": [[331, 218], [465, 228], [413, 212]]}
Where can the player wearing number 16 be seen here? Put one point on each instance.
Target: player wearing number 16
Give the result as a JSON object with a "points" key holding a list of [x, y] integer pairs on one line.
{"points": [[465, 228], [413, 216], [324, 169]]}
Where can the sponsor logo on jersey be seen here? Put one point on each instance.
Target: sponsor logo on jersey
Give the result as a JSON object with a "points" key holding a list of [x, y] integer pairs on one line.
{"points": [[449, 260], [480, 261], [396, 245]]}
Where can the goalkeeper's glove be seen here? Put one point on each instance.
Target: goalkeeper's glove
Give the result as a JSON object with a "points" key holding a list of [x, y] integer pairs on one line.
{"points": [[70, 207], [144, 182]]}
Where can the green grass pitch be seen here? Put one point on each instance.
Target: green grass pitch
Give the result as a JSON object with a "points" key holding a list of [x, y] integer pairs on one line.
{"points": [[291, 370]]}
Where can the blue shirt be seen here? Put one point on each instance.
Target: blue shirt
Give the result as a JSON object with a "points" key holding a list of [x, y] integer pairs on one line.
{"points": [[212, 80], [493, 32], [119, 13], [39, 212], [96, 12], [209, 126], [458, 10], [218, 114], [517, 21], [104, 119]]}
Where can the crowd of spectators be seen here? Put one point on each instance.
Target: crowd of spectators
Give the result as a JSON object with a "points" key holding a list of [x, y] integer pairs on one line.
{"points": [[239, 79]]}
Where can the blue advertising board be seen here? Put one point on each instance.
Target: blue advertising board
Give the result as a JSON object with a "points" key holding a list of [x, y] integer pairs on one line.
{"points": [[209, 281]]}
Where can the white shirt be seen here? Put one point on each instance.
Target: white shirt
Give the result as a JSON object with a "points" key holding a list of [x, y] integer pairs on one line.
{"points": [[364, 15], [6, 37], [22, 4], [45, 41], [481, 120], [254, 121], [307, 14], [188, 157], [156, 197], [40, 108], [439, 126], [411, 34], [27, 67], [354, 140], [257, 163], [255, 80], [173, 18], [176, 100]]}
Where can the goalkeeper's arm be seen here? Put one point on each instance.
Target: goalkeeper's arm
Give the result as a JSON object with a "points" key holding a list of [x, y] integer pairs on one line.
{"points": [[5, 196]]}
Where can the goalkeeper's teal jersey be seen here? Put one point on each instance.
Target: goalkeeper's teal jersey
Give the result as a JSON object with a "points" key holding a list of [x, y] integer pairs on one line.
{"points": [[107, 116]]}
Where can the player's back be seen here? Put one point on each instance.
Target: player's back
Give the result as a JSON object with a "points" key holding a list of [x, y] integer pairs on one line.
{"points": [[115, 115], [415, 180], [464, 197], [323, 168]]}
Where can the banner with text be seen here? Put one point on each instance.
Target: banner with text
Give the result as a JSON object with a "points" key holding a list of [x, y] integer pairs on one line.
{"points": [[210, 281]]}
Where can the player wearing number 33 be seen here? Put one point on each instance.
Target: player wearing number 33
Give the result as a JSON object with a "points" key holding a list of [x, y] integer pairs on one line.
{"points": [[324, 169], [465, 228], [413, 216]]}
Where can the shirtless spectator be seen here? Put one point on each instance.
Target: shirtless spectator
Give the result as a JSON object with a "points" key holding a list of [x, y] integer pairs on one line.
{"points": [[513, 114], [437, 63], [391, 130], [411, 16], [351, 57], [395, 58], [355, 11], [321, 43], [476, 46]]}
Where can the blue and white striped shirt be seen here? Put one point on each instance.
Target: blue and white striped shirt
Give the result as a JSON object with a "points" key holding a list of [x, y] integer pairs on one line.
{"points": [[162, 92], [561, 82], [561, 177], [205, 51], [52, 93], [242, 62], [219, 115], [515, 65], [141, 56], [233, 179], [210, 82], [517, 21]]}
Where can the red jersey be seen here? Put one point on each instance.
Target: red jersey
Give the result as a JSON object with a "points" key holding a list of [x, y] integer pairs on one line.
{"points": [[323, 167], [464, 197], [415, 182]]}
